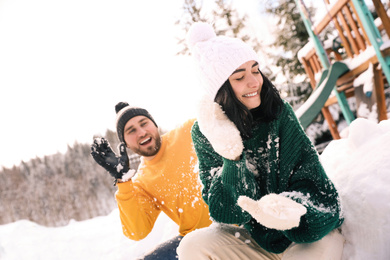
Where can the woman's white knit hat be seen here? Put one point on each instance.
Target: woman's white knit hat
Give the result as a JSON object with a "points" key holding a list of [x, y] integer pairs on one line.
{"points": [[217, 57]]}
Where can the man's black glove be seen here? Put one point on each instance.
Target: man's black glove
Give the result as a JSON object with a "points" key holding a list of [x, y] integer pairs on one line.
{"points": [[103, 154]]}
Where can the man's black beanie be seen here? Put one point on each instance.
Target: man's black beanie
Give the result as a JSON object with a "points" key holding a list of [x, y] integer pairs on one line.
{"points": [[124, 112]]}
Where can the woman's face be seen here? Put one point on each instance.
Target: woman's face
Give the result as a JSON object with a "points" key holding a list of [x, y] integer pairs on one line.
{"points": [[247, 82]]}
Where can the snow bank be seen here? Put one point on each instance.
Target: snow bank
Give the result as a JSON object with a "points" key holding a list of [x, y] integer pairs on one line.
{"points": [[360, 168]]}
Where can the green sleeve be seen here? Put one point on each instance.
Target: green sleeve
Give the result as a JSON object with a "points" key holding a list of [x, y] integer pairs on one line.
{"points": [[224, 181], [209, 161], [306, 182]]}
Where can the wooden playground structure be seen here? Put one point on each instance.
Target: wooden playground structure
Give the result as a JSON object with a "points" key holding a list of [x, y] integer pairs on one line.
{"points": [[360, 44]]}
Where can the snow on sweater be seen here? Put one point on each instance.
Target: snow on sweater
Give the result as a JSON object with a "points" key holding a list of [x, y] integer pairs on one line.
{"points": [[169, 183], [280, 159]]}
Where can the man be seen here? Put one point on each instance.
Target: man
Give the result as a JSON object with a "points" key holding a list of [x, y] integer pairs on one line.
{"points": [[166, 180]]}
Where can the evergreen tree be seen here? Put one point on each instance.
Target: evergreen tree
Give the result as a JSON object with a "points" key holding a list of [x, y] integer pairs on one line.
{"points": [[57, 188], [221, 15], [291, 35]]}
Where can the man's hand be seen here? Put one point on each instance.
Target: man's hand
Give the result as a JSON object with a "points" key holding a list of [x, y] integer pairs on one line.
{"points": [[117, 166]]}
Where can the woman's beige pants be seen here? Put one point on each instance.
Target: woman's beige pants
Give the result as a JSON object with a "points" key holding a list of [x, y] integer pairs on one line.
{"points": [[222, 242]]}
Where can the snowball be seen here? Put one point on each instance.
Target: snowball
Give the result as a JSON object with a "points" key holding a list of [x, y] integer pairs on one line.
{"points": [[127, 176], [274, 211]]}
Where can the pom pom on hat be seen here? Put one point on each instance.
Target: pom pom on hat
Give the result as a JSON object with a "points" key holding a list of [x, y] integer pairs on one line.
{"points": [[199, 32], [124, 112], [120, 105], [216, 57]]}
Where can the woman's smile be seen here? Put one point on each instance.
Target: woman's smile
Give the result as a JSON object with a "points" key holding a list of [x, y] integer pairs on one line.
{"points": [[249, 95]]}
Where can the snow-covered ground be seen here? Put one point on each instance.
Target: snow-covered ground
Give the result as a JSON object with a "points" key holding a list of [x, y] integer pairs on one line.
{"points": [[97, 238], [359, 165]]}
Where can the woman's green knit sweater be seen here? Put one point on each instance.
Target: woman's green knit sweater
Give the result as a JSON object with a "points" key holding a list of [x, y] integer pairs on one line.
{"points": [[279, 158]]}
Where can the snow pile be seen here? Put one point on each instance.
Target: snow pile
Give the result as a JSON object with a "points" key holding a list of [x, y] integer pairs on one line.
{"points": [[360, 168]]}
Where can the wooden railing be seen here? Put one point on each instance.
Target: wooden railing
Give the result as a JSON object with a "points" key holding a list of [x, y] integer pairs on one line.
{"points": [[355, 50]]}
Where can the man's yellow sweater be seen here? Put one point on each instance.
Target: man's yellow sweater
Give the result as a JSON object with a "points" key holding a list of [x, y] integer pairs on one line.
{"points": [[169, 183]]}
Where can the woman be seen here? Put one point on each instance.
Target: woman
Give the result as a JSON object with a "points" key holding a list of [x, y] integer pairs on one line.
{"points": [[267, 191]]}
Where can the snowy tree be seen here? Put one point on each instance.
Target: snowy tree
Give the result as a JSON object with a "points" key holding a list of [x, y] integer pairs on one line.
{"points": [[290, 35], [57, 188], [221, 14]]}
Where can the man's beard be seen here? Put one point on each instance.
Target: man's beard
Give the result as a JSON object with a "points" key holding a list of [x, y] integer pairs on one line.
{"points": [[150, 151]]}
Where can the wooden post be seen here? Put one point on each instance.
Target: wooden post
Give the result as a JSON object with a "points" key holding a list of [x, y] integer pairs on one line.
{"points": [[380, 10], [332, 124], [380, 93]]}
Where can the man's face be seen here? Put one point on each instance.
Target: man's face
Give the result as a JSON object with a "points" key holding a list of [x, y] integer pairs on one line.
{"points": [[141, 136]]}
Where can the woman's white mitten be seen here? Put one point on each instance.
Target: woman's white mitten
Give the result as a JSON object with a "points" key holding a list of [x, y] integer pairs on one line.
{"points": [[274, 211], [219, 130]]}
